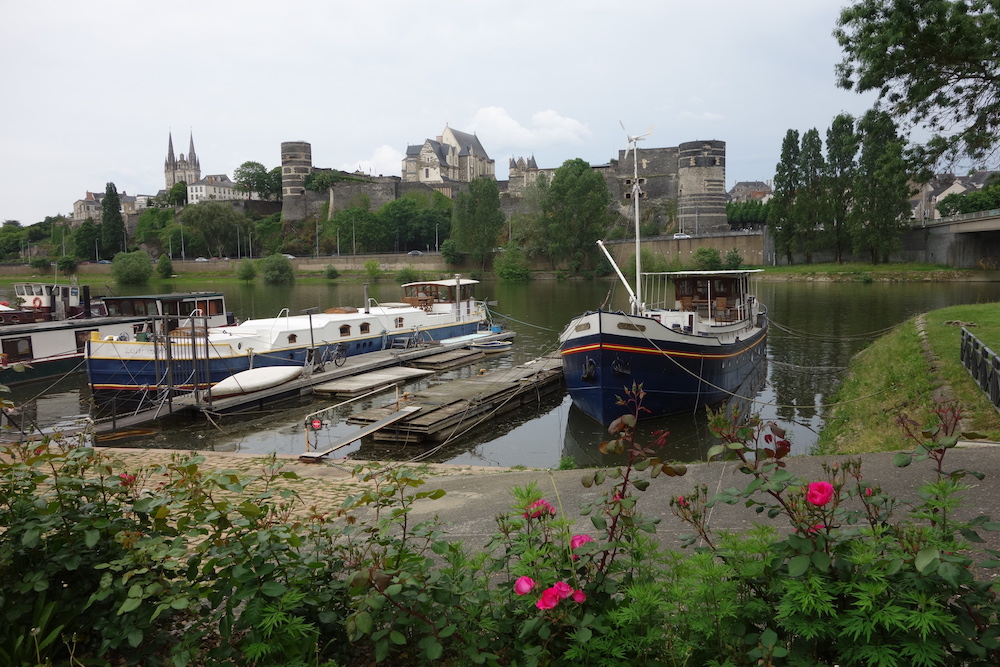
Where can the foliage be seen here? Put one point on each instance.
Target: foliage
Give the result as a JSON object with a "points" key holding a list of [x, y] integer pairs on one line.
{"points": [[246, 270], [112, 222], [360, 231], [782, 221], [132, 268], [39, 263], [373, 270], [178, 195], [934, 66], [511, 265], [734, 260], [152, 221], [575, 215], [986, 199], [86, 240], [276, 269], [450, 252], [164, 267], [407, 274], [253, 177], [66, 264], [747, 215], [707, 259], [217, 223], [842, 149], [811, 198], [882, 189], [331, 272], [320, 180], [478, 220]]}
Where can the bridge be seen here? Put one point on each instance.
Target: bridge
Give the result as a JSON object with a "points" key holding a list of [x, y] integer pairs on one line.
{"points": [[968, 240]]}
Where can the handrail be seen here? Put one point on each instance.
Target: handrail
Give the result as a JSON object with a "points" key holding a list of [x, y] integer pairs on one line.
{"points": [[378, 390], [983, 365]]}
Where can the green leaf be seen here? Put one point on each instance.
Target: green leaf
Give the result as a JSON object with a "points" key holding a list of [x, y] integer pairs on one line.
{"points": [[130, 604], [135, 638], [821, 560], [714, 451], [273, 589], [797, 566], [902, 459], [768, 638], [583, 635], [397, 637], [363, 622], [91, 537], [434, 651], [925, 557]]}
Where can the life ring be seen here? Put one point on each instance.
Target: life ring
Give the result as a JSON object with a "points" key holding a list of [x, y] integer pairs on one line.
{"points": [[37, 302]]}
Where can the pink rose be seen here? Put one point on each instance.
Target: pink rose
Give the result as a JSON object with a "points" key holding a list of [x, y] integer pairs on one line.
{"points": [[126, 480], [820, 493], [578, 541], [579, 596], [816, 528], [562, 589], [548, 600], [868, 492], [538, 509], [524, 585]]}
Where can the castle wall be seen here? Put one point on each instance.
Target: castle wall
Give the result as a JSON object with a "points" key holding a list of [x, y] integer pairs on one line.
{"points": [[701, 169], [296, 164]]}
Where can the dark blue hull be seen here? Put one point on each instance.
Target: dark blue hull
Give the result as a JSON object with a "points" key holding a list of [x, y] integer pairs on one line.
{"points": [[676, 375]]}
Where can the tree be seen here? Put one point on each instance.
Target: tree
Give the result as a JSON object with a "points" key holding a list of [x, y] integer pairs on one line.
{"points": [[276, 270], [66, 264], [575, 214], [841, 156], [178, 195], [781, 221], [164, 267], [450, 252], [246, 271], [217, 223], [934, 64], [86, 240], [811, 198], [882, 208], [707, 259], [511, 265], [253, 177], [112, 222], [477, 220], [131, 268]]}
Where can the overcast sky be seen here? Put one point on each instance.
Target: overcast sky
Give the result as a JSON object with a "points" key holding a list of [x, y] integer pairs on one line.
{"points": [[91, 89]]}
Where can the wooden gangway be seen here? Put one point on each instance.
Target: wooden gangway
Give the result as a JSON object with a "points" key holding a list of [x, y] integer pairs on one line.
{"points": [[314, 457]]}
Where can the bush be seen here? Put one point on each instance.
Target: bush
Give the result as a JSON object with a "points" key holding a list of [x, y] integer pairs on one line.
{"points": [[39, 263], [407, 274], [734, 260], [331, 272], [132, 268], [373, 270], [707, 259], [450, 252], [276, 269], [511, 265], [164, 267], [246, 270]]}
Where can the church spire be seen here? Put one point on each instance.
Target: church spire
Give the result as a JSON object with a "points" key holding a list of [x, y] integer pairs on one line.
{"points": [[170, 149], [192, 158]]}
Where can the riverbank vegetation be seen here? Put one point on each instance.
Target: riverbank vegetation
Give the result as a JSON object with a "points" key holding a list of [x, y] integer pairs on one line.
{"points": [[905, 373]]}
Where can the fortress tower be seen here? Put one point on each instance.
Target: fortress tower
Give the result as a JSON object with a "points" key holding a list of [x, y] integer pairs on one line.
{"points": [[180, 169], [701, 200], [296, 164]]}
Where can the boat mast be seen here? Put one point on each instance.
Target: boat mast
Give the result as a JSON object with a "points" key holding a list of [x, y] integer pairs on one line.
{"points": [[636, 193]]}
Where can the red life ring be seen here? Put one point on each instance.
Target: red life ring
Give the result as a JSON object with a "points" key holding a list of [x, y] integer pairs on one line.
{"points": [[37, 302]]}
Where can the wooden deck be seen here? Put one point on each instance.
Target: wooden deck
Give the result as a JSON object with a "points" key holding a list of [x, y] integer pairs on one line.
{"points": [[458, 405]]}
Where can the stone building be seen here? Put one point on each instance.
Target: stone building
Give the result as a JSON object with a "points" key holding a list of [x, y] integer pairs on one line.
{"points": [[453, 156], [215, 187], [182, 168], [746, 191]]}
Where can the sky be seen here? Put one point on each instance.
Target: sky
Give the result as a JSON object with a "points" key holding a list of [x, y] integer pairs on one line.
{"points": [[93, 89]]}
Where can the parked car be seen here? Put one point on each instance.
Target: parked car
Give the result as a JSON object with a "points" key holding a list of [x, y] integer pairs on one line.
{"points": [[289, 256], [104, 261], [415, 253], [682, 235], [200, 259]]}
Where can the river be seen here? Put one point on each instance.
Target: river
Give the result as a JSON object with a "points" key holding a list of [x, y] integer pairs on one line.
{"points": [[817, 327]]}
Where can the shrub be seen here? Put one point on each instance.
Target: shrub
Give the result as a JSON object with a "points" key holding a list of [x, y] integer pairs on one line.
{"points": [[164, 267], [373, 270], [450, 252], [39, 263], [246, 270], [276, 269], [66, 264], [407, 274], [511, 265], [707, 259], [132, 268], [734, 260], [331, 272]]}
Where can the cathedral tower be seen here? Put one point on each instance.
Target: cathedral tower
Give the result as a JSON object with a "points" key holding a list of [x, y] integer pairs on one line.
{"points": [[180, 169]]}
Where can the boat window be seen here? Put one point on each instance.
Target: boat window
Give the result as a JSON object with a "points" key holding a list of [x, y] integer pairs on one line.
{"points": [[127, 308], [345, 330], [20, 290], [631, 327], [365, 327], [74, 291], [292, 338], [583, 327], [39, 290], [399, 322], [140, 307], [113, 308], [17, 349]]}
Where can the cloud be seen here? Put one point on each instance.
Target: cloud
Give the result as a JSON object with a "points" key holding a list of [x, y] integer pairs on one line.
{"points": [[704, 115], [547, 128], [384, 161]]}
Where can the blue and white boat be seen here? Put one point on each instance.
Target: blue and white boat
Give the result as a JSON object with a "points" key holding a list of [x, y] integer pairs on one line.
{"points": [[181, 354]]}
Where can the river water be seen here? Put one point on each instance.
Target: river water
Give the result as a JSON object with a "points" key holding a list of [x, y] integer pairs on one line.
{"points": [[817, 327]]}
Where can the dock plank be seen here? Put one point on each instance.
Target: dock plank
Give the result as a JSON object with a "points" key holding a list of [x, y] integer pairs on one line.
{"points": [[356, 385]]}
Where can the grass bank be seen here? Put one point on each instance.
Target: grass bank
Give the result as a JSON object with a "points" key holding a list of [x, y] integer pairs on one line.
{"points": [[868, 273], [896, 376]]}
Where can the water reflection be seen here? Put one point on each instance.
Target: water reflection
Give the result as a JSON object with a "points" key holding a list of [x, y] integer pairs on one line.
{"points": [[822, 325]]}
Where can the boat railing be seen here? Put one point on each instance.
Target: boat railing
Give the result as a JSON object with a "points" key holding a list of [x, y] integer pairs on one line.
{"points": [[283, 311]]}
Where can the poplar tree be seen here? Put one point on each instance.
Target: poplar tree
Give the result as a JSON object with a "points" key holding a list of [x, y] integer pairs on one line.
{"points": [[781, 218], [478, 219], [575, 214], [841, 165], [112, 222], [810, 200], [882, 185]]}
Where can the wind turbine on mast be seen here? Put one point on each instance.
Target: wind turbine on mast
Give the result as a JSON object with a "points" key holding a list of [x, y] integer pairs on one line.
{"points": [[633, 146]]}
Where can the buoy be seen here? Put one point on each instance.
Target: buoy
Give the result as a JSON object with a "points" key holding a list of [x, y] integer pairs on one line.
{"points": [[37, 302]]}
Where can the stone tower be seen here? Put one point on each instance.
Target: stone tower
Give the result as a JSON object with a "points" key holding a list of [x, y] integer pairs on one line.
{"points": [[296, 164], [180, 169], [701, 200]]}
